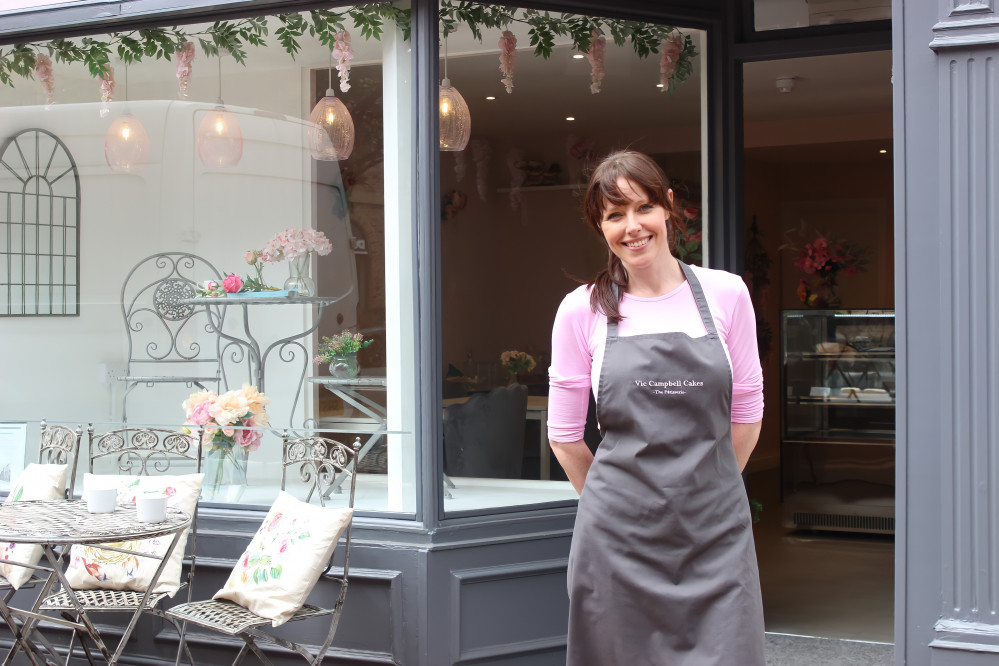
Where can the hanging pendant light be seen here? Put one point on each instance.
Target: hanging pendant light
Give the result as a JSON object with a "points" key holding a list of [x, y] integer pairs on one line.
{"points": [[331, 134], [126, 144], [455, 120], [220, 140]]}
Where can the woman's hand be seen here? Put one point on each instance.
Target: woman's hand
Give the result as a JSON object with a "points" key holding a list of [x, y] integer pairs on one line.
{"points": [[575, 458], [744, 438]]}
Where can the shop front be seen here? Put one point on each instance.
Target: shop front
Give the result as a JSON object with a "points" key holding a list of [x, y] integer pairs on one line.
{"points": [[397, 190]]}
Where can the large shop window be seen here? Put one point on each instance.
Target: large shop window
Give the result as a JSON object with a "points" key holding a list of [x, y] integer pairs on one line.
{"points": [[196, 167], [513, 237]]}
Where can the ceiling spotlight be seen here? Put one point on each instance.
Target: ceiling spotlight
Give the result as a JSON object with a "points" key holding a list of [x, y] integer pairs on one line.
{"points": [[883, 151], [785, 84], [490, 98], [578, 56], [570, 118], [659, 85]]}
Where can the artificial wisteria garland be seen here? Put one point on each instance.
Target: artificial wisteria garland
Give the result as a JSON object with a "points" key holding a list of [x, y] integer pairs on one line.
{"points": [[233, 37], [508, 53], [595, 56], [107, 89], [343, 54], [43, 70], [671, 49], [185, 60]]}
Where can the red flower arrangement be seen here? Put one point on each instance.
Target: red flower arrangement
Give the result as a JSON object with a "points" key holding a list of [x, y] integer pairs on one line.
{"points": [[826, 259]]}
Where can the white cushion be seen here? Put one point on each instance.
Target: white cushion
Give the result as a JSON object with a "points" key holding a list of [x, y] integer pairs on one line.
{"points": [[37, 482], [284, 560], [92, 568]]}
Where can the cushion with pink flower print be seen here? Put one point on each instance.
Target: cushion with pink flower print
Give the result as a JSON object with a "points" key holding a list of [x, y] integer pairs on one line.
{"points": [[285, 558], [37, 482], [92, 567]]}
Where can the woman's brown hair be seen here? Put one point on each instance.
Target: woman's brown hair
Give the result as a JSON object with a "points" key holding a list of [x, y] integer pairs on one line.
{"points": [[645, 175]]}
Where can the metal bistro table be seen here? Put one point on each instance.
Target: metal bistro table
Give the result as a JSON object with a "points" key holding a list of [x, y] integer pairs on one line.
{"points": [[257, 354], [59, 524]]}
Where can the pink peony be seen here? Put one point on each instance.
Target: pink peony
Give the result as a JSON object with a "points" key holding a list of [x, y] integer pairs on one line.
{"points": [[232, 283], [43, 69], [508, 53], [200, 414], [184, 57], [252, 256], [249, 439], [595, 56], [343, 53]]}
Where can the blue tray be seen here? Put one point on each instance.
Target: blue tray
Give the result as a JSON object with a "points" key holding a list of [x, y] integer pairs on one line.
{"points": [[263, 294]]}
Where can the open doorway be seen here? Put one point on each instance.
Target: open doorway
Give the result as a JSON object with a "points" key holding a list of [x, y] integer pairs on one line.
{"points": [[819, 261]]}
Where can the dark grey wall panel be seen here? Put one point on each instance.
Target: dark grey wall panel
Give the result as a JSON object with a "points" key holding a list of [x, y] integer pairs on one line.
{"points": [[539, 624]]}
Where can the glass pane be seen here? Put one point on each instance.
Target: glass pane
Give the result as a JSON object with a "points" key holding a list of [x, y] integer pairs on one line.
{"points": [[781, 14], [209, 191], [514, 240]]}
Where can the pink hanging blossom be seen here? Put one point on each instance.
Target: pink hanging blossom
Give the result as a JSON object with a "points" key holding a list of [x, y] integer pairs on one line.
{"points": [[43, 70], [595, 56], [107, 89], [184, 57], [508, 53], [671, 49], [343, 54], [107, 84]]}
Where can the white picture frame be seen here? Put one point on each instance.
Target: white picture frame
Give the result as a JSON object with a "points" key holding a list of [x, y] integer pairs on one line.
{"points": [[13, 438]]}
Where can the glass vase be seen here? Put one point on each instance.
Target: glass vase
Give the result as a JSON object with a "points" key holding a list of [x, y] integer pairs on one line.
{"points": [[225, 473], [298, 277], [345, 366]]}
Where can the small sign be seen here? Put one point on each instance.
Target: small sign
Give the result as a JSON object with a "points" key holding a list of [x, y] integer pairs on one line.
{"points": [[13, 438]]}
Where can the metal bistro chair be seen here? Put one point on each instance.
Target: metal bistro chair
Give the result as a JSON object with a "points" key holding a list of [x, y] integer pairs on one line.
{"points": [[318, 461], [59, 445], [137, 452], [165, 336]]}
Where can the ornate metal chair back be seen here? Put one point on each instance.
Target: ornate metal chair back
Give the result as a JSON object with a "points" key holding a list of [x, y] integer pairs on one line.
{"points": [[60, 445]]}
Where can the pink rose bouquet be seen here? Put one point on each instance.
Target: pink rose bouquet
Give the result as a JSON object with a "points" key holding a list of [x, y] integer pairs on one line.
{"points": [[293, 243], [231, 425]]}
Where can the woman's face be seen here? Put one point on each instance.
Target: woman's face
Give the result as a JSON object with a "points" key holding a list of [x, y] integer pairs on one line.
{"points": [[636, 230]]}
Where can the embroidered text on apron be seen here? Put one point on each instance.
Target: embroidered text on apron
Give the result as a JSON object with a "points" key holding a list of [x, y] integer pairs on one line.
{"points": [[662, 569]]}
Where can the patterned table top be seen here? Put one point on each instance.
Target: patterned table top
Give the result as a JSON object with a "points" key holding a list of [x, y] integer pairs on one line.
{"points": [[58, 522]]}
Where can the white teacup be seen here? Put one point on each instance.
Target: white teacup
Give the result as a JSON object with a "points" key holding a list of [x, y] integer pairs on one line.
{"points": [[101, 500], [151, 507]]}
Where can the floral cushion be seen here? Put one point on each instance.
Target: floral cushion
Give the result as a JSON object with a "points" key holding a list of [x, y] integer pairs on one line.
{"points": [[285, 558], [91, 567], [37, 482]]}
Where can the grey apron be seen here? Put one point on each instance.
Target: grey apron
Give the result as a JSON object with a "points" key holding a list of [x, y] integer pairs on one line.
{"points": [[662, 569]]}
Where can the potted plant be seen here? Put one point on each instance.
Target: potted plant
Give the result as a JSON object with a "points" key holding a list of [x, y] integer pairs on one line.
{"points": [[340, 351]]}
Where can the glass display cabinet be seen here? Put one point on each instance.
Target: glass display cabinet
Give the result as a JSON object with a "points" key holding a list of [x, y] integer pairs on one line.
{"points": [[838, 420]]}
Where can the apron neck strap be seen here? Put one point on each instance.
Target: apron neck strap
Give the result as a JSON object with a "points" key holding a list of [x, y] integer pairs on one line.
{"points": [[702, 302], [699, 299]]}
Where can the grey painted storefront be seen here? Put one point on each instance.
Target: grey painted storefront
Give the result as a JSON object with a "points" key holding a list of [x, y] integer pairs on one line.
{"points": [[490, 589], [946, 147]]}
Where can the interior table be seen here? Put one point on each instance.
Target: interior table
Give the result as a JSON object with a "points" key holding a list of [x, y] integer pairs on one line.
{"points": [[537, 410], [56, 525], [256, 352], [374, 420]]}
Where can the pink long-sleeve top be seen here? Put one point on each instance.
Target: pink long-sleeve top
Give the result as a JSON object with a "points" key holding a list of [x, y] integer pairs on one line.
{"points": [[578, 345]]}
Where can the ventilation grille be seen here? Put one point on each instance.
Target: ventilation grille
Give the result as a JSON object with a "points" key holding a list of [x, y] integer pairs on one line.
{"points": [[832, 521]]}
